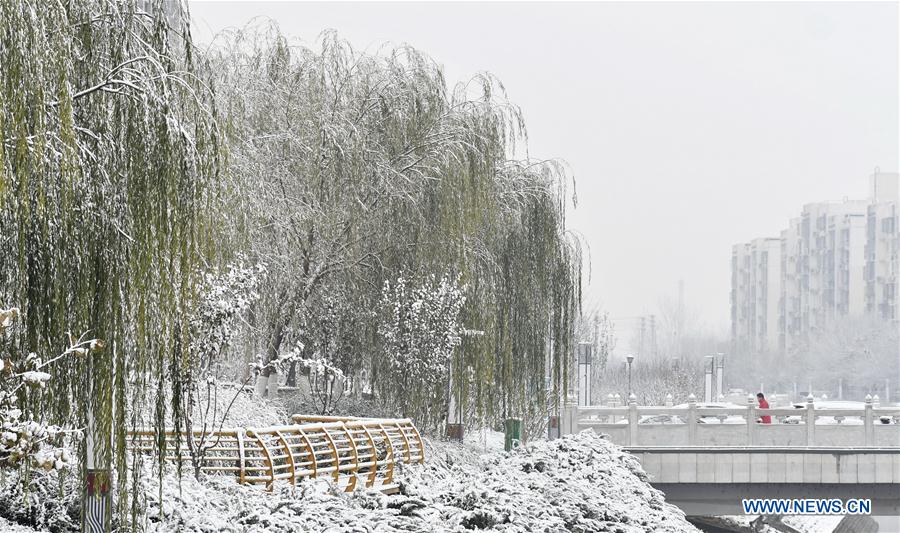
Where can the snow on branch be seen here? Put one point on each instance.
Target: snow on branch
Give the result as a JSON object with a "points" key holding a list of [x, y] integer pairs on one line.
{"points": [[24, 440]]}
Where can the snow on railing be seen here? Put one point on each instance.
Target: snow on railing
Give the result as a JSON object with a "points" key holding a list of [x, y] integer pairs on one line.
{"points": [[350, 450], [714, 425]]}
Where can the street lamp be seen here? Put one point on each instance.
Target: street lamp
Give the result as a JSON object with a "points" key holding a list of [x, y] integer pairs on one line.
{"points": [[630, 359]]}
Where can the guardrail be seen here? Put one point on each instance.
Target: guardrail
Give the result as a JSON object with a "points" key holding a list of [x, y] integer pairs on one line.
{"points": [[349, 450], [633, 425]]}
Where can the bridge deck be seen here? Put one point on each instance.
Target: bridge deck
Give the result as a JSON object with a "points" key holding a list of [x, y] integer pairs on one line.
{"points": [[712, 481], [770, 464]]}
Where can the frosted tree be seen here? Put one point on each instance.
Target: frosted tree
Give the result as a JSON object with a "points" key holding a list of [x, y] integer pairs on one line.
{"points": [[419, 328], [109, 160], [225, 299], [352, 167]]}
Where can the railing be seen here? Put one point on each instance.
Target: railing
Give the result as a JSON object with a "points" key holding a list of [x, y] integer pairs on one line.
{"points": [[633, 425], [350, 450]]}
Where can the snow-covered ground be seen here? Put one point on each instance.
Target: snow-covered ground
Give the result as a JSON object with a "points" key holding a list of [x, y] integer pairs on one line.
{"points": [[9, 527], [579, 483]]}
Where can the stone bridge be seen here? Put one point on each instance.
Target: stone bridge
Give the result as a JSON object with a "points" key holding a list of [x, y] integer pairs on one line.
{"points": [[707, 459]]}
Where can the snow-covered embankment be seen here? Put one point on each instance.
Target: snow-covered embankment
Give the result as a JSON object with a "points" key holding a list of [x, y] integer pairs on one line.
{"points": [[581, 483]]}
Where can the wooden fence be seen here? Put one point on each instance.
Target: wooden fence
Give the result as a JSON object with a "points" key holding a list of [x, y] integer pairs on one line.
{"points": [[353, 451]]}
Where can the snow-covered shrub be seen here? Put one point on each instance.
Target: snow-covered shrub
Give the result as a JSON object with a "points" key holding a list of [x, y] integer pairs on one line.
{"points": [[224, 298], [418, 331], [49, 501], [580, 483], [36, 486], [25, 439], [326, 383], [336, 330]]}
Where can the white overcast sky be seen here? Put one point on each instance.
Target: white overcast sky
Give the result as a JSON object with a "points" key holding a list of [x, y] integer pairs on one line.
{"points": [[688, 126]]}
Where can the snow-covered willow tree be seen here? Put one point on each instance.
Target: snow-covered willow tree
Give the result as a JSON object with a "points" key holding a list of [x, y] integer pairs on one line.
{"points": [[353, 168], [108, 145]]}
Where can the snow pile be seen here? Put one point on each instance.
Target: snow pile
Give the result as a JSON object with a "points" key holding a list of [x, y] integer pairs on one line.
{"points": [[577, 483], [581, 483]]}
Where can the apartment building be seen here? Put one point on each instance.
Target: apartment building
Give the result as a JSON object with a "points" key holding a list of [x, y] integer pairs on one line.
{"points": [[789, 314], [882, 290], [832, 241], [836, 259], [756, 294]]}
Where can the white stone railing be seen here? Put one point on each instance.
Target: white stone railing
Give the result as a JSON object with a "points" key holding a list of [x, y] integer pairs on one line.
{"points": [[634, 425]]}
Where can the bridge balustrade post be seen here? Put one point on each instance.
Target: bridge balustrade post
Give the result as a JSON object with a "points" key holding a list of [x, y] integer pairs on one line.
{"points": [[616, 400], [669, 401], [751, 420], [692, 420], [867, 421], [632, 420], [610, 402], [810, 421]]}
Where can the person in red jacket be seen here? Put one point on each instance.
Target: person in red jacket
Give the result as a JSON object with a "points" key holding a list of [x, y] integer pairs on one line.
{"points": [[763, 404]]}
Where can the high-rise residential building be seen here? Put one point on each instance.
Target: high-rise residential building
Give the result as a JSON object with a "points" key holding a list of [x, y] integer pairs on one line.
{"points": [[837, 259], [756, 294], [882, 287], [827, 255], [789, 315], [845, 266]]}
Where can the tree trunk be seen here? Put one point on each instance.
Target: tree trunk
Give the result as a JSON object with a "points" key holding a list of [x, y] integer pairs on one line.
{"points": [[262, 383], [291, 380], [262, 380]]}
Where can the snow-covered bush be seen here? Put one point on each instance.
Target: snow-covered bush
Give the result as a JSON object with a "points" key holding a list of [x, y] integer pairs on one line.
{"points": [[224, 298], [326, 383], [336, 331], [47, 501], [418, 331], [580, 483], [36, 484], [25, 439]]}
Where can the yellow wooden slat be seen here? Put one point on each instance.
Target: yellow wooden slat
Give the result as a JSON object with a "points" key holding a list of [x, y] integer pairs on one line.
{"points": [[347, 448]]}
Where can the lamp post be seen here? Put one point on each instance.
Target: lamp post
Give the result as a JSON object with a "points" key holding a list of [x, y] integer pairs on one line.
{"points": [[584, 373], [720, 376], [455, 427], [630, 359]]}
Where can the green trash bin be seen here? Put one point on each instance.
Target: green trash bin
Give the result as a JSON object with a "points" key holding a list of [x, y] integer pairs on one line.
{"points": [[512, 433]]}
